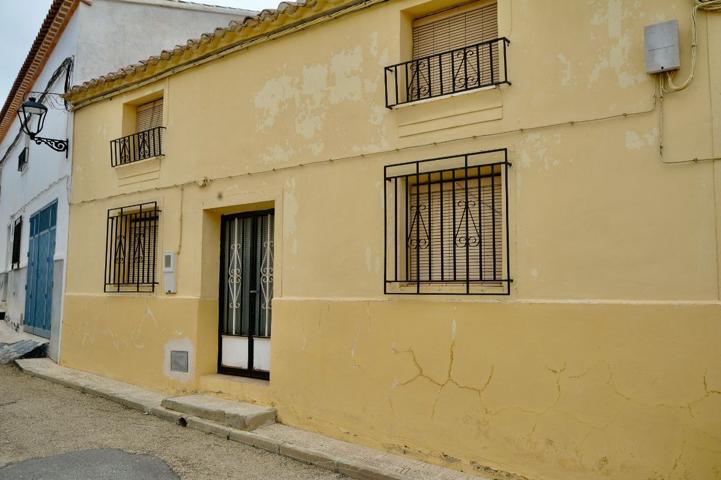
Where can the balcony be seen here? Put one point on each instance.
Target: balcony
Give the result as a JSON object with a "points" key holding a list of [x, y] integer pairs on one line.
{"points": [[460, 70], [136, 147]]}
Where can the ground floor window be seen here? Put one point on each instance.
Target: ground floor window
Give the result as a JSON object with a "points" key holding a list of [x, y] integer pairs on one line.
{"points": [[446, 228], [130, 249]]}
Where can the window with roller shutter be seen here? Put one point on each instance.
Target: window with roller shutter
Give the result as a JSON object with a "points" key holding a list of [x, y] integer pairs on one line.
{"points": [[454, 33], [446, 225], [149, 115], [454, 50], [146, 142], [450, 215]]}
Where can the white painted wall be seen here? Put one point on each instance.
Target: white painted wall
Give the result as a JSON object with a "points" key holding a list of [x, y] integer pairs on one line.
{"points": [[102, 37], [117, 33]]}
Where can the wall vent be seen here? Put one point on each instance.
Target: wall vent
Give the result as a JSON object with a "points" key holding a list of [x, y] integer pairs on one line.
{"points": [[179, 361]]}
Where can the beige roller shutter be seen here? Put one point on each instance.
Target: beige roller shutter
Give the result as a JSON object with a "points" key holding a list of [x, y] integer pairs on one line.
{"points": [[447, 31], [454, 29], [149, 115], [440, 229]]}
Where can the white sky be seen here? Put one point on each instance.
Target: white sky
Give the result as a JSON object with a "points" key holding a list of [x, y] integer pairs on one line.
{"points": [[20, 22]]}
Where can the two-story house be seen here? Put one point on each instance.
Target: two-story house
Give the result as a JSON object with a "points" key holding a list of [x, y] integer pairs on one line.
{"points": [[483, 234], [77, 41]]}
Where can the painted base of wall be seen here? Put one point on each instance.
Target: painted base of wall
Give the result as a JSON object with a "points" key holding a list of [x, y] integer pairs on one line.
{"points": [[546, 390], [15, 305]]}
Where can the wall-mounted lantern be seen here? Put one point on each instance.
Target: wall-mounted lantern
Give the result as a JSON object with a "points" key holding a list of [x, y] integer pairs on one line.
{"points": [[32, 118]]}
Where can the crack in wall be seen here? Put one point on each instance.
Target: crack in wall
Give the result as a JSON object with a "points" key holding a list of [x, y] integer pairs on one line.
{"points": [[558, 374], [449, 377]]}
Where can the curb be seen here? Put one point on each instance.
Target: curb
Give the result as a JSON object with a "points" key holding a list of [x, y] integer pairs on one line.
{"points": [[350, 465]]}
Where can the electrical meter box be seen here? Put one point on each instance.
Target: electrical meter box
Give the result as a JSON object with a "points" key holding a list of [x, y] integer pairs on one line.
{"points": [[662, 51], [169, 260]]}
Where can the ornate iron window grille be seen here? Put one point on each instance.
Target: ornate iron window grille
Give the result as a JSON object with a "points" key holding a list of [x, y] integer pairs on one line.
{"points": [[130, 248], [446, 225], [468, 68], [136, 147]]}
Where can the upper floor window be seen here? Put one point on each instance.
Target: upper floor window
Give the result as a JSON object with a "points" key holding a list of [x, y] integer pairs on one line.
{"points": [[149, 115], [23, 159], [147, 139], [130, 251], [17, 237], [453, 51], [447, 225]]}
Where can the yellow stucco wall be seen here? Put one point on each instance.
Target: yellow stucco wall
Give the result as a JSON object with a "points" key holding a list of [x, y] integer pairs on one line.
{"points": [[604, 360]]}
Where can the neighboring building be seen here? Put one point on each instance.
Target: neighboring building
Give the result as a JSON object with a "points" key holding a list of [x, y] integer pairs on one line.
{"points": [[77, 41], [475, 253]]}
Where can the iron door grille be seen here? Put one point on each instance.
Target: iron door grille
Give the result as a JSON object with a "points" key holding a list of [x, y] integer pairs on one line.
{"points": [[130, 248], [17, 237], [446, 225], [246, 284]]}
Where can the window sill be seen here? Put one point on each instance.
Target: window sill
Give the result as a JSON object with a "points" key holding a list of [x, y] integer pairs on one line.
{"points": [[449, 288], [140, 171], [449, 111], [423, 101]]}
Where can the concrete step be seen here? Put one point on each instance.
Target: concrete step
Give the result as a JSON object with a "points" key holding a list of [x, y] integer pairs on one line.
{"points": [[14, 345], [242, 416]]}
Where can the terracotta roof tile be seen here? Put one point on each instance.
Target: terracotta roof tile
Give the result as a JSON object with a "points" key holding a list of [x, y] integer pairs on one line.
{"points": [[238, 31]]}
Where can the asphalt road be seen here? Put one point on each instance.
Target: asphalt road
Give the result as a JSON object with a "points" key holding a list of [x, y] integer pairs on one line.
{"points": [[51, 432]]}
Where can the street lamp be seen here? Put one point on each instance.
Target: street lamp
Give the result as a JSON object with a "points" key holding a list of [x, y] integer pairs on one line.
{"points": [[32, 118]]}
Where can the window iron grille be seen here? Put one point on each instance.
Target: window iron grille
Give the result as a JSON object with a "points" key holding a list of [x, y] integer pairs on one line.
{"points": [[446, 225], [130, 248], [462, 69], [136, 147]]}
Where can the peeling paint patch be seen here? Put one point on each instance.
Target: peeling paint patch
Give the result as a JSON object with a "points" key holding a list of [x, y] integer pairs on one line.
{"points": [[276, 154], [566, 75], [272, 97], [345, 69], [636, 141]]}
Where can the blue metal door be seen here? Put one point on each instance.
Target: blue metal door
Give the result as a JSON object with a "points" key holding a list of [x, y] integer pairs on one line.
{"points": [[39, 287]]}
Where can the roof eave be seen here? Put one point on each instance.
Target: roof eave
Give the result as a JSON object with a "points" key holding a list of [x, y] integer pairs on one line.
{"points": [[268, 24]]}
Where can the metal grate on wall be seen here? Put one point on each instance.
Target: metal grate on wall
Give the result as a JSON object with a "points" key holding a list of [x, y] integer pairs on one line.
{"points": [[446, 225], [130, 248]]}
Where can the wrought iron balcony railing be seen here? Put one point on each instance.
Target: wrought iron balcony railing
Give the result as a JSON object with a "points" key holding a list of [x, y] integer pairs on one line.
{"points": [[468, 68], [136, 147]]}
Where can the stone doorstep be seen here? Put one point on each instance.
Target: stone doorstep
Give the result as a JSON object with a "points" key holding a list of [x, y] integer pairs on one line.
{"points": [[240, 415], [355, 461]]}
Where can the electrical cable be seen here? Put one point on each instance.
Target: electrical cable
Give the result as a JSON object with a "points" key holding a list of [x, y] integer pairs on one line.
{"points": [[712, 6], [709, 6]]}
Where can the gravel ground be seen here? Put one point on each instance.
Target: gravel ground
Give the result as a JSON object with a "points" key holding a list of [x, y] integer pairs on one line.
{"points": [[39, 418]]}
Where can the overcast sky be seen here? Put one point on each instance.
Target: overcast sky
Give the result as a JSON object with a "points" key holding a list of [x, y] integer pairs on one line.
{"points": [[20, 21]]}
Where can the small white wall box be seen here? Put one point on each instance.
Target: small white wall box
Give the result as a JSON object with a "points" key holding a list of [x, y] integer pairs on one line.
{"points": [[169, 259], [662, 52]]}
